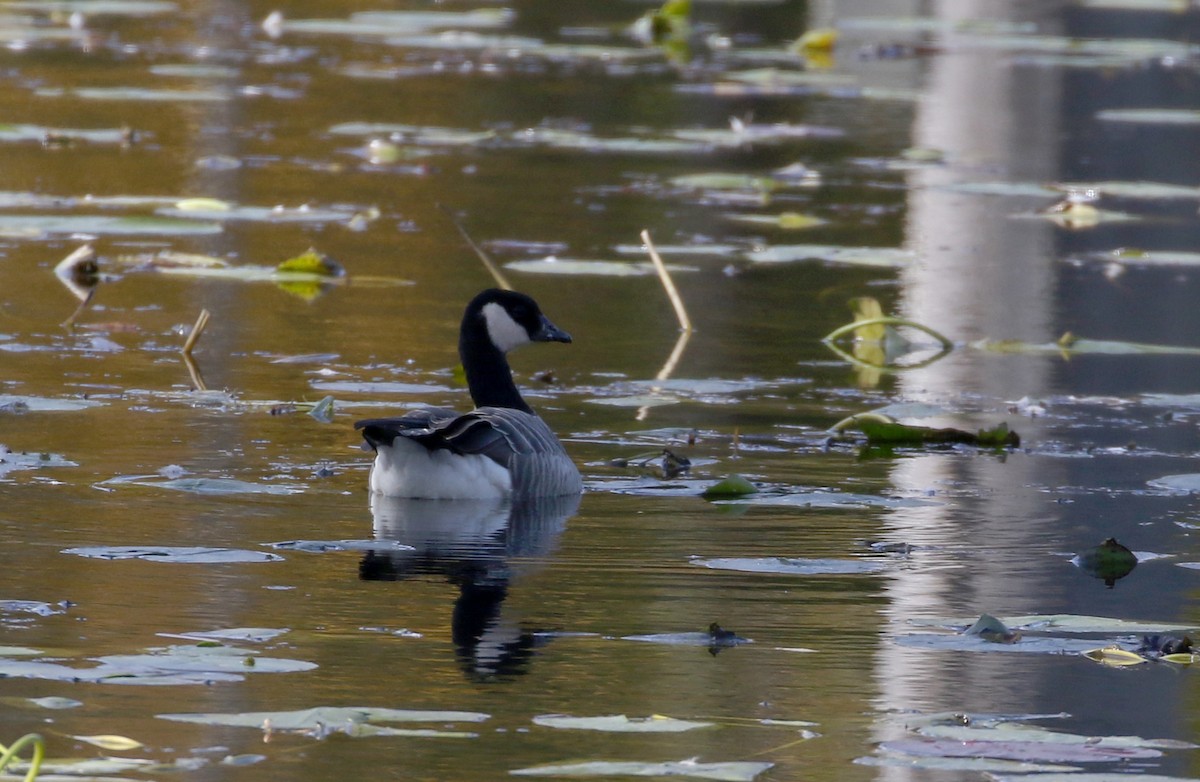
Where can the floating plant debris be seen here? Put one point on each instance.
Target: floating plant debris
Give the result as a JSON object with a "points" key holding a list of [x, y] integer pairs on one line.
{"points": [[619, 723]]}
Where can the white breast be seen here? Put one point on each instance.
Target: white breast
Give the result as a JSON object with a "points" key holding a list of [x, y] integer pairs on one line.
{"points": [[409, 469]]}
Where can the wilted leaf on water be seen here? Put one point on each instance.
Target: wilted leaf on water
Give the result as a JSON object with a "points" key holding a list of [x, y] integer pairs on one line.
{"points": [[735, 771], [884, 257], [1151, 116], [177, 554], [110, 742], [793, 565], [619, 723], [1115, 656], [732, 486], [323, 718], [553, 265], [885, 430], [788, 221]]}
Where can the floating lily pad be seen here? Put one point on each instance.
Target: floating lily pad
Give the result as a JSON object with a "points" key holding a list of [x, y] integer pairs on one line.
{"points": [[619, 723], [55, 702], [990, 766], [576, 140], [325, 718], [204, 658], [95, 7], [686, 639], [30, 607], [210, 209], [736, 771], [666, 250], [1067, 623], [787, 221], [832, 499], [324, 546], [37, 226], [729, 488], [387, 23], [884, 257], [591, 268], [372, 387], [1186, 483], [256, 635], [10, 462], [1148, 191], [148, 95], [1151, 116], [1014, 189], [1133, 257], [41, 133], [1114, 776], [793, 565], [21, 403], [1034, 751], [177, 554], [20, 651], [217, 486]]}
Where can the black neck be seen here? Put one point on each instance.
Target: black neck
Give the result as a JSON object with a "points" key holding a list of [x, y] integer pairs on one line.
{"points": [[488, 374]]}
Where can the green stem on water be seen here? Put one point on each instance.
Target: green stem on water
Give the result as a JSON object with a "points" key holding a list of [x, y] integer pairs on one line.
{"points": [[887, 321], [39, 753]]}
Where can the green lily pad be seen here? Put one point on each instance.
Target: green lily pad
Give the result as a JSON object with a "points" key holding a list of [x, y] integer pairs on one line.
{"points": [[735, 771], [787, 221], [733, 486], [883, 257], [619, 723], [176, 554]]}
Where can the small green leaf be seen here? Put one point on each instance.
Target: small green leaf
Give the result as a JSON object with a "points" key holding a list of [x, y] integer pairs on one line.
{"points": [[733, 486]]}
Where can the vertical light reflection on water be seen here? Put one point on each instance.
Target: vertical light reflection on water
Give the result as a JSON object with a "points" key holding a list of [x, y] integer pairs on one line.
{"points": [[979, 274]]}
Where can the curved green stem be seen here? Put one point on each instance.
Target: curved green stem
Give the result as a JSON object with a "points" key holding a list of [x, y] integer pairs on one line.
{"points": [[886, 367], [887, 321], [39, 753]]}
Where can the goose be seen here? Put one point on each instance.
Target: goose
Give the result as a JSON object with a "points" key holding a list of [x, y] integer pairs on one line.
{"points": [[501, 448]]}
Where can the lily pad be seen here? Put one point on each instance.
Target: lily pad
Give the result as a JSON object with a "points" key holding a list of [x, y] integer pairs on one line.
{"points": [[176, 554], [21, 403], [149, 95], [256, 635], [324, 546], [1068, 623], [883, 257], [215, 486], [735, 771], [10, 462], [787, 221], [792, 565], [1151, 116], [591, 268], [30, 607], [55, 702], [204, 658], [42, 133], [38, 226], [322, 718], [619, 723], [1033, 751]]}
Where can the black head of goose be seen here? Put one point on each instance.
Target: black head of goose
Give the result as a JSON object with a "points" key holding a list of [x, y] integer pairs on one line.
{"points": [[501, 448]]}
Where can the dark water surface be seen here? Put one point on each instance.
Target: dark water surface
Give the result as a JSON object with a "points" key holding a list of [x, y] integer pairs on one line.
{"points": [[520, 613]]}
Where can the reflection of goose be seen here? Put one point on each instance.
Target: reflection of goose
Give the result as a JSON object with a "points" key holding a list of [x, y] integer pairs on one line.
{"points": [[476, 545], [501, 447]]}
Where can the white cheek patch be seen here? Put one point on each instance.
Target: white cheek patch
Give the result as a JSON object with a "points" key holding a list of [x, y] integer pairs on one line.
{"points": [[505, 332]]}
